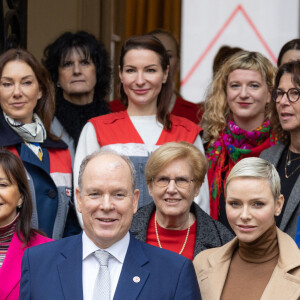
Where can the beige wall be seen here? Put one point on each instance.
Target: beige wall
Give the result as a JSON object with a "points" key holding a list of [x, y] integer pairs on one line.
{"points": [[47, 19]]}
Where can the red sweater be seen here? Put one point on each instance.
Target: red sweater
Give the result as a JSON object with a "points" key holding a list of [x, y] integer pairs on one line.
{"points": [[172, 240]]}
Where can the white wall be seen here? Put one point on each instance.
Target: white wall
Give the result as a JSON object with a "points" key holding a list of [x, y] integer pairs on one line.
{"points": [[255, 25]]}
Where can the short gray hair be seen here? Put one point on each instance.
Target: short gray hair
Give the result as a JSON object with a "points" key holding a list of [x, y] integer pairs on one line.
{"points": [[256, 167], [101, 152]]}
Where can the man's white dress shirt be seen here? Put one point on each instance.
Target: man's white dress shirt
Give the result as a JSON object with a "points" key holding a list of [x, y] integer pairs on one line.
{"points": [[90, 265]]}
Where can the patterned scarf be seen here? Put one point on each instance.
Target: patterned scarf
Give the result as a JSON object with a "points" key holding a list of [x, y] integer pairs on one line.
{"points": [[33, 134], [233, 144]]}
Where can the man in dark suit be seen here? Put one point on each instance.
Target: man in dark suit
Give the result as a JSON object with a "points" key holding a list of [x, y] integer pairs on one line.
{"points": [[71, 268]]}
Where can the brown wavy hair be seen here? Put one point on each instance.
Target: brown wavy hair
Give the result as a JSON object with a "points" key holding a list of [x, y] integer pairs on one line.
{"points": [[45, 107]]}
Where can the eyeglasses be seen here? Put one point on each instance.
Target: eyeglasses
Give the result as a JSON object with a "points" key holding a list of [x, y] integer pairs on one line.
{"points": [[163, 181], [292, 94]]}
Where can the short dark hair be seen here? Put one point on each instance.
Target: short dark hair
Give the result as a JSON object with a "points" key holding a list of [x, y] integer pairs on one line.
{"points": [[160, 31], [14, 170], [290, 45], [152, 43], [222, 55], [292, 68], [45, 107], [56, 53]]}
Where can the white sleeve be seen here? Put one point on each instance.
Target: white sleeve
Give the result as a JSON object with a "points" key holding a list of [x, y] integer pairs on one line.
{"points": [[87, 144], [203, 198]]}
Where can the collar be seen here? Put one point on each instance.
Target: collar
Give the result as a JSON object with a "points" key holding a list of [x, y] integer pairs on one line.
{"points": [[118, 250], [289, 255], [9, 137], [263, 249]]}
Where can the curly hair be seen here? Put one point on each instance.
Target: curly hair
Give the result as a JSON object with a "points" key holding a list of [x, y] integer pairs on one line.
{"points": [[292, 68], [152, 43], [84, 43], [46, 104], [216, 106]]}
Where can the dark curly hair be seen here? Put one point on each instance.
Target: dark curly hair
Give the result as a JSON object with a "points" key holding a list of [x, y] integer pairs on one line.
{"points": [[56, 53]]}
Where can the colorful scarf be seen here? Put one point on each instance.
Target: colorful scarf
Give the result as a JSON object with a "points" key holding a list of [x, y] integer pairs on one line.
{"points": [[233, 144]]}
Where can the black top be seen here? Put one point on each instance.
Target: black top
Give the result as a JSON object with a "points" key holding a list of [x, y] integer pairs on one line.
{"points": [[73, 117], [287, 184]]}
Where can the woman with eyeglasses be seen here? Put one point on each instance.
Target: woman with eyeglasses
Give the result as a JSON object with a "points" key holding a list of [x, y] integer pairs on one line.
{"points": [[174, 174], [285, 122]]}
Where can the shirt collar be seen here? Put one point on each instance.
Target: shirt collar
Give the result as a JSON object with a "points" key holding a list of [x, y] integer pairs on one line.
{"points": [[117, 250]]}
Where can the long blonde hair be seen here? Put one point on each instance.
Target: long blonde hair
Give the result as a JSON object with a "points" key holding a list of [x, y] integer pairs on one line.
{"points": [[216, 106]]}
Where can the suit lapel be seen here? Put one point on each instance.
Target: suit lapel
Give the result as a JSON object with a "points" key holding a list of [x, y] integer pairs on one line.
{"points": [[293, 201], [10, 272], [213, 279], [274, 154], [285, 282], [282, 286], [70, 269], [134, 272], [291, 205]]}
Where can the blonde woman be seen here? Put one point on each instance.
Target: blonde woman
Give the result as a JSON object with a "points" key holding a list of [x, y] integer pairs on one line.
{"points": [[262, 262], [235, 121]]}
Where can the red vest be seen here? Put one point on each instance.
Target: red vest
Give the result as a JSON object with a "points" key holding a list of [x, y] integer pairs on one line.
{"points": [[117, 128], [60, 165]]}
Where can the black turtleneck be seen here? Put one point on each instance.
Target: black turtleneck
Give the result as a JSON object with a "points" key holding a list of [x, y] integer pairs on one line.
{"points": [[73, 117]]}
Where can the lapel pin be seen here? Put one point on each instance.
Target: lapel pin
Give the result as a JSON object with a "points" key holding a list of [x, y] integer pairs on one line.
{"points": [[136, 279]]}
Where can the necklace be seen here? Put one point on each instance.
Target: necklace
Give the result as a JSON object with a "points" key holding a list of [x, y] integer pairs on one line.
{"points": [[157, 236], [288, 163], [288, 158]]}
